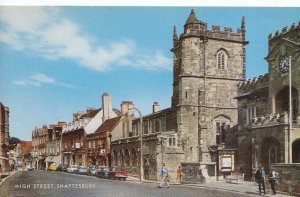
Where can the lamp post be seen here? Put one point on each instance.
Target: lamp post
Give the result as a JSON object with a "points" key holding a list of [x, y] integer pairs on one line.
{"points": [[109, 158], [141, 142], [291, 110]]}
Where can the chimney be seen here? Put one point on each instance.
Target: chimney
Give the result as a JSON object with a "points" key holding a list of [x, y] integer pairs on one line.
{"points": [[61, 123], [126, 106], [155, 107], [106, 106]]}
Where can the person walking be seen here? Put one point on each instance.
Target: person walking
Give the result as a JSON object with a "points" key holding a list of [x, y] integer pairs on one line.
{"points": [[178, 174], [260, 179], [272, 179], [164, 172]]}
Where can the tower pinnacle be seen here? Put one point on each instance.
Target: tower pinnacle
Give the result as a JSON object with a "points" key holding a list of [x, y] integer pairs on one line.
{"points": [[175, 37], [243, 23]]}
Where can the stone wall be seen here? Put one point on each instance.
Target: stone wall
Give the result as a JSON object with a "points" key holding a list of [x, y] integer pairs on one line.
{"points": [[289, 180]]}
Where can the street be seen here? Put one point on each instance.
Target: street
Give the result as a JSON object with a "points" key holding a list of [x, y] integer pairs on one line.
{"points": [[48, 183]]}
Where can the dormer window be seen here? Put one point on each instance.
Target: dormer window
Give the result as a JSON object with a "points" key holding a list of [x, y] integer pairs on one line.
{"points": [[222, 60]]}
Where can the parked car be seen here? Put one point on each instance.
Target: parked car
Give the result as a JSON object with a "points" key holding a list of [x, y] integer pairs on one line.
{"points": [[92, 170], [72, 169], [82, 170], [102, 172], [62, 168], [118, 172], [53, 166]]}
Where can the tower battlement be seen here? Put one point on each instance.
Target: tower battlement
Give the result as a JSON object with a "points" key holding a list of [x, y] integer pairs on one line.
{"points": [[197, 28], [253, 84], [284, 30]]}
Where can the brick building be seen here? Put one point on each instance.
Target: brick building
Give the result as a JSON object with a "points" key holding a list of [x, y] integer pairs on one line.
{"points": [[4, 136], [23, 156], [197, 130], [98, 143], [84, 123]]}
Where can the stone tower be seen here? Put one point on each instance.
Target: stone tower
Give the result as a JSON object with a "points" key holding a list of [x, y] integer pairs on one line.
{"points": [[208, 65]]}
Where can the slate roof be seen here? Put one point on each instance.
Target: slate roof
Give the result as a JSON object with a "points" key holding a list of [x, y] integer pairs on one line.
{"points": [[90, 114], [109, 125]]}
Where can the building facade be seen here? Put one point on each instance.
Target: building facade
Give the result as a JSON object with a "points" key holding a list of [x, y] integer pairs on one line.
{"points": [[208, 65], [84, 123], [98, 143], [24, 158], [53, 144], [266, 135], [39, 142], [4, 137]]}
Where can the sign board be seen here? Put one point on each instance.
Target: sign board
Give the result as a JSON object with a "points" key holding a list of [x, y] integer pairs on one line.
{"points": [[226, 161], [77, 145]]}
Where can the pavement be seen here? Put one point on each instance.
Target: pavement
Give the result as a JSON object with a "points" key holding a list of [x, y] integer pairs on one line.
{"points": [[6, 175], [250, 188]]}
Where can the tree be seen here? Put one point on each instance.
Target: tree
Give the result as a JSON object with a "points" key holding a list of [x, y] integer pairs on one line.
{"points": [[13, 141]]}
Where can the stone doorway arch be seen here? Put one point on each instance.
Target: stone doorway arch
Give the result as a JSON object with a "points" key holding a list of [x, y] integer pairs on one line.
{"points": [[296, 151], [270, 152]]}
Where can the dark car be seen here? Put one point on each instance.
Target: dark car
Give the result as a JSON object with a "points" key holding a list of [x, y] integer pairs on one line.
{"points": [[118, 173], [92, 170], [62, 168], [102, 172], [82, 170]]}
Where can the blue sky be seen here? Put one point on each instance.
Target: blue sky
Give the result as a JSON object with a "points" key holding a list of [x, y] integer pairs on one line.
{"points": [[59, 60]]}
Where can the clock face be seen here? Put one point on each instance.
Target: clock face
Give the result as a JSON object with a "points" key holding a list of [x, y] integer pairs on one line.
{"points": [[284, 64]]}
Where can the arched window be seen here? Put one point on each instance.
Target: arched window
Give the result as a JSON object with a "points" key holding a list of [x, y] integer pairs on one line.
{"points": [[222, 60]]}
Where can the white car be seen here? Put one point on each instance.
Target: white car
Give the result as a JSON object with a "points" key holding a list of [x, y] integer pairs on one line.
{"points": [[72, 169]]}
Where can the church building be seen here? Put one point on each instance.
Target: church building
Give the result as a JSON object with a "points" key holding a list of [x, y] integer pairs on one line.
{"points": [[197, 131]]}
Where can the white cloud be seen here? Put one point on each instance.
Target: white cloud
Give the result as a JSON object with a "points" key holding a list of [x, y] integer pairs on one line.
{"points": [[46, 32], [43, 78], [26, 83], [40, 79]]}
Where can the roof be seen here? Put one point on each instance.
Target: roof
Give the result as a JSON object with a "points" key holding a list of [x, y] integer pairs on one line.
{"points": [[90, 114], [109, 124], [192, 18], [26, 147], [118, 113]]}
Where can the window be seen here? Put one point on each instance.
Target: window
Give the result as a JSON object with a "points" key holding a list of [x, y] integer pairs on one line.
{"points": [[172, 141], [222, 60], [221, 128], [145, 125], [251, 113]]}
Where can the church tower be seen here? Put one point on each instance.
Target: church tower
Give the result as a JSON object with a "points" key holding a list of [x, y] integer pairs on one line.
{"points": [[208, 65]]}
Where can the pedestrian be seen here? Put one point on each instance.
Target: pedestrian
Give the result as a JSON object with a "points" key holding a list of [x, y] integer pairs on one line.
{"points": [[260, 179], [164, 173], [178, 174], [272, 179]]}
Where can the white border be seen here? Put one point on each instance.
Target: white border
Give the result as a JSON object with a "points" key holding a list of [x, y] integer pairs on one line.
{"points": [[204, 3]]}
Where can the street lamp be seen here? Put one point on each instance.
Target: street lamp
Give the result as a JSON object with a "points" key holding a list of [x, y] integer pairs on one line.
{"points": [[109, 159], [141, 142]]}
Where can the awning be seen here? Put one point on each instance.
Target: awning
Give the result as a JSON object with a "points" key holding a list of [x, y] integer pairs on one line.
{"points": [[4, 158], [48, 159], [56, 159]]}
